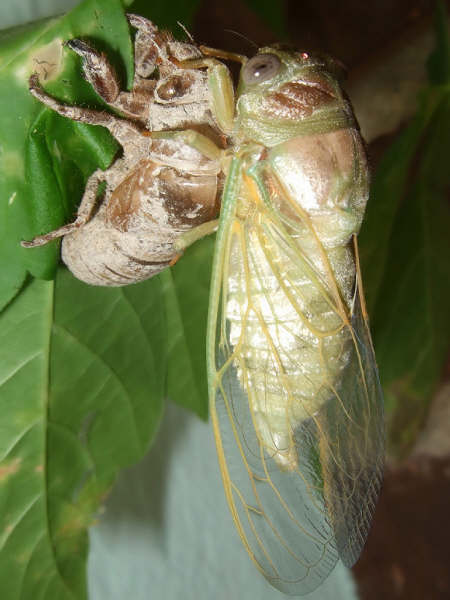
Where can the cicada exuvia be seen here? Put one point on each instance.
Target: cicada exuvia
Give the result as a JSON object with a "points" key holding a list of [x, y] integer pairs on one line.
{"points": [[295, 398], [157, 188]]}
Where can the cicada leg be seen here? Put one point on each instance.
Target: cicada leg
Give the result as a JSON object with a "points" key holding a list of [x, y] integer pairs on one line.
{"points": [[192, 138], [101, 75], [103, 78], [145, 44], [84, 213], [221, 86], [223, 54], [97, 71], [121, 129], [196, 233], [208, 148]]}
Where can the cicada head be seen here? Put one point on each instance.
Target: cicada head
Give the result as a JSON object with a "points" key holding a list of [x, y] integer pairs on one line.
{"points": [[282, 94]]}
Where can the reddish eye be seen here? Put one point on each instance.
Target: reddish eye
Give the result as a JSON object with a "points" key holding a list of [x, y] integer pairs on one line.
{"points": [[304, 55], [261, 68]]}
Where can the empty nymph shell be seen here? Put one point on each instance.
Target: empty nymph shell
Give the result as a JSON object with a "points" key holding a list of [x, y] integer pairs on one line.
{"points": [[161, 187]]}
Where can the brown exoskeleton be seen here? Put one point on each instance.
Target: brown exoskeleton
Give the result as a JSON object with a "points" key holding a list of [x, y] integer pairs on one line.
{"points": [[162, 186]]}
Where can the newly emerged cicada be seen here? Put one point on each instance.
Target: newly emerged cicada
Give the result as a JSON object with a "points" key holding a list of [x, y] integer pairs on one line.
{"points": [[295, 399]]}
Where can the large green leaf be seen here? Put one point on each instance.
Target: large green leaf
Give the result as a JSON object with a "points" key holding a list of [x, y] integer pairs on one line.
{"points": [[439, 61], [35, 195], [186, 294], [272, 13], [405, 249], [81, 388]]}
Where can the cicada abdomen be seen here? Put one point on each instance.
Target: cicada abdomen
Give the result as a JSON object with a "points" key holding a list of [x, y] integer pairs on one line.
{"points": [[132, 236], [300, 257]]}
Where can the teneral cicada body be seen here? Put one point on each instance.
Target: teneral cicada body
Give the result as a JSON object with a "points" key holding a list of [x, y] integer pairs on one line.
{"points": [[294, 393]]}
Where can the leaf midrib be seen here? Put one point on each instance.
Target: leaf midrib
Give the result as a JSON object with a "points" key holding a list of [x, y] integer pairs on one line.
{"points": [[46, 402]]}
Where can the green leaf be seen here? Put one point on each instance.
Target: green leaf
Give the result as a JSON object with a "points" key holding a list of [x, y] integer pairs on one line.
{"points": [[11, 282], [167, 15], [81, 388], [34, 195], [404, 253], [438, 63], [186, 294], [272, 13], [390, 184], [59, 157]]}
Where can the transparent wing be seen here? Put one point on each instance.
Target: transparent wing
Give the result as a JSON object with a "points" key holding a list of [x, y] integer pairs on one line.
{"points": [[300, 448]]}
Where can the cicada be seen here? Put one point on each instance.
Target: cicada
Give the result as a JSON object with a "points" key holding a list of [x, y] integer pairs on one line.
{"points": [[157, 188], [295, 399]]}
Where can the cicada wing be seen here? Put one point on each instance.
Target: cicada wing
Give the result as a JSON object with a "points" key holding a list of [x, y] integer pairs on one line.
{"points": [[280, 514], [351, 442], [301, 489]]}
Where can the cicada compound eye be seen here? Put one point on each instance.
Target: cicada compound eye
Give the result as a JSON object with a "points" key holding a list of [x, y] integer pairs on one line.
{"points": [[261, 67]]}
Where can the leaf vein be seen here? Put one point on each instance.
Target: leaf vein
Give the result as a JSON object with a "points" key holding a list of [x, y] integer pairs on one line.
{"points": [[20, 366], [111, 371]]}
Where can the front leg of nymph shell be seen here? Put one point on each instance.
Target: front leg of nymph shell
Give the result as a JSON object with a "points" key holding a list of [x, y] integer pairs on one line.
{"points": [[146, 47], [97, 71], [124, 131], [221, 88], [84, 212], [103, 78]]}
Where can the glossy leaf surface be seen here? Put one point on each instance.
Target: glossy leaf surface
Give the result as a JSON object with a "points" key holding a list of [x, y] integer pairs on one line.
{"points": [[82, 382], [45, 159], [186, 295]]}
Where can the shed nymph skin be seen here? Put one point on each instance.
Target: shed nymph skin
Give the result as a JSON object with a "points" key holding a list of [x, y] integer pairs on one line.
{"points": [[159, 188]]}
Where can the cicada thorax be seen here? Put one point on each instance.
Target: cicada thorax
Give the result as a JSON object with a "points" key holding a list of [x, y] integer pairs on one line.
{"points": [[294, 337]]}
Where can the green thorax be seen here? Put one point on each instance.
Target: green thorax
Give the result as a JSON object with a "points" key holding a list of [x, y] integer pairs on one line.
{"points": [[301, 97]]}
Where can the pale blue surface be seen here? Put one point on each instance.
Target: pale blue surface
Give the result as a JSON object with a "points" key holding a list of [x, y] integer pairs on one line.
{"points": [[167, 532], [16, 12]]}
